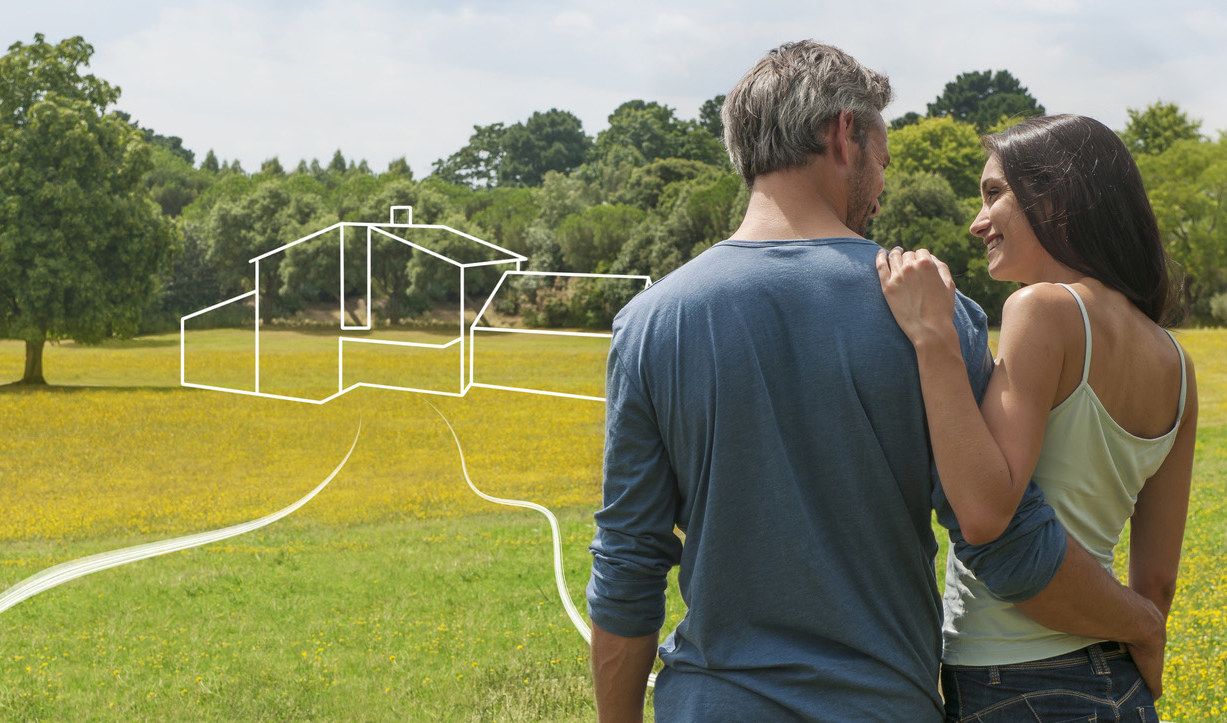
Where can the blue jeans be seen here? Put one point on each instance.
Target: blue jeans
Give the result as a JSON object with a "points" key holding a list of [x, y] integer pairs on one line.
{"points": [[1097, 683]]}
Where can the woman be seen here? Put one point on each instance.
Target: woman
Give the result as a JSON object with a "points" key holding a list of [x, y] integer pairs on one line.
{"points": [[1090, 395]]}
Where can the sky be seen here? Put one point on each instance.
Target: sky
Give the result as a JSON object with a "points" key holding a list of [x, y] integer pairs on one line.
{"points": [[383, 79]]}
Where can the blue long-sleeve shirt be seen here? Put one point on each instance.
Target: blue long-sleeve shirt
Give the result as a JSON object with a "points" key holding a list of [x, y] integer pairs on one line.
{"points": [[763, 400]]}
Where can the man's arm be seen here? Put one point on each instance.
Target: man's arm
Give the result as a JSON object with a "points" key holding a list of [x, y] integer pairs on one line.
{"points": [[620, 670], [1084, 599], [633, 549], [1054, 581]]}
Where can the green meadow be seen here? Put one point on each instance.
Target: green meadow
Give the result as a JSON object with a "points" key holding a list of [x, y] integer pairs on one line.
{"points": [[396, 593]]}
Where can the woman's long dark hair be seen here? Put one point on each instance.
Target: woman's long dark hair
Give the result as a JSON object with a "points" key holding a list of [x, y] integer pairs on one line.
{"points": [[1084, 198]]}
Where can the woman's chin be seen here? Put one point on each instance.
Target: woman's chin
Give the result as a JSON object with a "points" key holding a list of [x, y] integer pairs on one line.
{"points": [[997, 273]]}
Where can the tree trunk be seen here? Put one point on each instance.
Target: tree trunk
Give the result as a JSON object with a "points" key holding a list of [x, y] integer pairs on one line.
{"points": [[392, 307], [34, 362], [352, 310]]}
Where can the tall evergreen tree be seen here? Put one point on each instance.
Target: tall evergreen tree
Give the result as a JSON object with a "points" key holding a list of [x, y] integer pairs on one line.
{"points": [[338, 162], [210, 163], [983, 98]]}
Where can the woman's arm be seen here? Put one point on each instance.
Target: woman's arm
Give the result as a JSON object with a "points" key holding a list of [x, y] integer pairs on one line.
{"points": [[1157, 525], [1157, 531], [984, 454], [1154, 556]]}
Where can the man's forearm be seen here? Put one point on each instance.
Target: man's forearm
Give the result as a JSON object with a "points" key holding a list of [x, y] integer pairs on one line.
{"points": [[1084, 599], [620, 670]]}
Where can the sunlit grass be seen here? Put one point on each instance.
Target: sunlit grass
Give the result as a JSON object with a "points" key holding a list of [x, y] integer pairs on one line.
{"points": [[467, 625], [163, 461], [1196, 672], [396, 594], [430, 620], [1208, 349]]}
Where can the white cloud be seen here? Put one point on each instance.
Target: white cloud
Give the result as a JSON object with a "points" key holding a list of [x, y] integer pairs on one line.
{"points": [[381, 79], [573, 22]]}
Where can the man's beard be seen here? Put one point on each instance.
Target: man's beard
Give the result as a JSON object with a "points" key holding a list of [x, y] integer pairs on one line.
{"points": [[859, 203]]}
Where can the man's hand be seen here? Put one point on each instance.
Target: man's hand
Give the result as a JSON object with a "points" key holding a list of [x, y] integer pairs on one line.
{"points": [[1084, 599], [1148, 653]]}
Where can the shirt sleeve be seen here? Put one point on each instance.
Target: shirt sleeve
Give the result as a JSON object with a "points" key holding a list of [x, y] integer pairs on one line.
{"points": [[1022, 561], [635, 545]]}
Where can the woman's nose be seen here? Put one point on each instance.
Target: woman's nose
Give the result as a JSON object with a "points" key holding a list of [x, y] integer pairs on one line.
{"points": [[981, 223]]}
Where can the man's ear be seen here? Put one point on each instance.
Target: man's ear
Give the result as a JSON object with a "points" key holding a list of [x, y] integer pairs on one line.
{"points": [[841, 137]]}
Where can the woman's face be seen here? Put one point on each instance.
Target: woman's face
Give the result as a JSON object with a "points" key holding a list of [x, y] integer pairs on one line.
{"points": [[1014, 252]]}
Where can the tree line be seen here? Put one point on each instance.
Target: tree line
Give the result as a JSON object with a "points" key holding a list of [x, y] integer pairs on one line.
{"points": [[108, 228]]}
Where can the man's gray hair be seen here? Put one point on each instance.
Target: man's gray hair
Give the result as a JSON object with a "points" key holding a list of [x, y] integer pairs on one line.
{"points": [[776, 116]]}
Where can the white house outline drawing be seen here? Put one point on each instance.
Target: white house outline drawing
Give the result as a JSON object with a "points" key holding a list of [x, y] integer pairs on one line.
{"points": [[467, 370]]}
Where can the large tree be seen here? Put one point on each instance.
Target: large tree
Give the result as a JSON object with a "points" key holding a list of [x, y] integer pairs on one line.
{"points": [[394, 269], [709, 116], [921, 210], [238, 229], [82, 247], [518, 155], [644, 186], [983, 98], [550, 141], [1154, 129], [591, 240], [944, 146], [639, 133], [1187, 186], [504, 215], [650, 130], [477, 163], [173, 183]]}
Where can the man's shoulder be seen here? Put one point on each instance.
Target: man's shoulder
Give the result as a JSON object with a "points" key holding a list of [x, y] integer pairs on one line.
{"points": [[969, 314], [734, 267], [972, 325], [738, 257], [702, 270]]}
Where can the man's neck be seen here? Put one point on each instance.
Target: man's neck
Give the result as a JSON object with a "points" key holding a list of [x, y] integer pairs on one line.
{"points": [[793, 203]]}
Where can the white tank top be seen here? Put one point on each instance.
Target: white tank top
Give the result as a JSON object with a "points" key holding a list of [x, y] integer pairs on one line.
{"points": [[1091, 471]]}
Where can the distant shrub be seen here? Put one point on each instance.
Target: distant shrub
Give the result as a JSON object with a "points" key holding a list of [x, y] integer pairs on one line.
{"points": [[1218, 308]]}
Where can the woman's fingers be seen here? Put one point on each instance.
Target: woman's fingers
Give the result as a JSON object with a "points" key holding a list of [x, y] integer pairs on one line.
{"points": [[900, 261], [943, 270], [898, 258], [882, 262], [890, 263], [918, 287]]}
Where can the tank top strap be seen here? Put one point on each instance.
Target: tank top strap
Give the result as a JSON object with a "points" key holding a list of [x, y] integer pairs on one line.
{"points": [[1184, 382], [1086, 327]]}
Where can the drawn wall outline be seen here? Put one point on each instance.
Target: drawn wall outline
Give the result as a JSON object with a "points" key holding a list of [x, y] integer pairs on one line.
{"points": [[467, 352]]}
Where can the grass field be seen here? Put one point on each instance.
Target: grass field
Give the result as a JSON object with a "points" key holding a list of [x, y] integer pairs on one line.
{"points": [[396, 594]]}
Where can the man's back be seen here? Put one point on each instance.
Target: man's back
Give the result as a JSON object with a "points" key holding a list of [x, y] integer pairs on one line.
{"points": [[763, 398]]}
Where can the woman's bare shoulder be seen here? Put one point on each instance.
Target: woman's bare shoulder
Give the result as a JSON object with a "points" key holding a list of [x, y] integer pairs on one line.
{"points": [[1044, 304]]}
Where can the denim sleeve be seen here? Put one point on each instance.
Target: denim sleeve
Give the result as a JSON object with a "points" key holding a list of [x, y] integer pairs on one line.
{"points": [[635, 545], [1022, 561]]}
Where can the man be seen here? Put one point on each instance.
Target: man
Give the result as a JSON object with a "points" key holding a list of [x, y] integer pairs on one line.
{"points": [[762, 400]]}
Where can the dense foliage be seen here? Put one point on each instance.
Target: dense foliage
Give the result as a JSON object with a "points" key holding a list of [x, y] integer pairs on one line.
{"points": [[643, 196], [83, 249], [982, 98]]}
